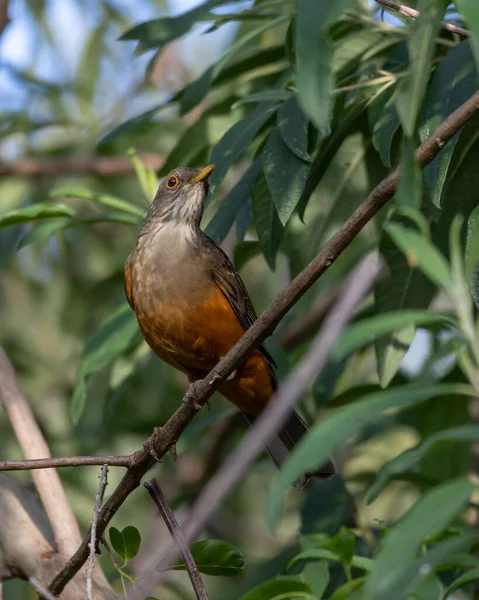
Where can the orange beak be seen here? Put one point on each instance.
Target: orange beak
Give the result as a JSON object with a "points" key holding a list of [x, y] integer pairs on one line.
{"points": [[203, 174]]}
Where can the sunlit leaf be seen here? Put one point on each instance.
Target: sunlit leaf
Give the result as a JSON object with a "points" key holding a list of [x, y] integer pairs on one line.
{"points": [[104, 199], [326, 435], [36, 212]]}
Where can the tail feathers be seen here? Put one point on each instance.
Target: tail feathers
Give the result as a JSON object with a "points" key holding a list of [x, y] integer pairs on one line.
{"points": [[282, 445]]}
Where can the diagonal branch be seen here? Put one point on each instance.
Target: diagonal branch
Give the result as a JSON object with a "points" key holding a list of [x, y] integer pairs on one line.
{"points": [[172, 524], [407, 11], [200, 391]]}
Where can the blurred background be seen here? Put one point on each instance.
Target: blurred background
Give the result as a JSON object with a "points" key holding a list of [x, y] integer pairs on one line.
{"points": [[66, 82]]}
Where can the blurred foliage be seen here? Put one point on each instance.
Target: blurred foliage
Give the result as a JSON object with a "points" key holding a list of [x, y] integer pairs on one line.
{"points": [[304, 107]]}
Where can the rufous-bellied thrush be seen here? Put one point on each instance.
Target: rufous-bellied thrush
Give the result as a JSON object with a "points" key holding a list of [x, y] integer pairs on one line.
{"points": [[192, 306]]}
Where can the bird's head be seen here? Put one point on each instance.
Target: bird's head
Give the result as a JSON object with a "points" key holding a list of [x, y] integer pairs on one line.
{"points": [[180, 197]]}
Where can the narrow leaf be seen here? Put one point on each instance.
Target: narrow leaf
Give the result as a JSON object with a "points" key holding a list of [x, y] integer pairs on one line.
{"points": [[293, 126], [328, 434], [285, 174], [268, 226], [421, 42], [469, 10], [395, 567], [314, 77], [36, 212], [105, 199]]}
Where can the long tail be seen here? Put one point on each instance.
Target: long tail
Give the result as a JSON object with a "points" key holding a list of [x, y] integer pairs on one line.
{"points": [[288, 437]]}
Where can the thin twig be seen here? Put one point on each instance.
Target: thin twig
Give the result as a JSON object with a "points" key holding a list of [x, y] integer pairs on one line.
{"points": [[170, 520], [43, 591], [98, 502], [356, 287], [103, 166], [259, 331], [407, 11], [30, 438], [66, 461]]}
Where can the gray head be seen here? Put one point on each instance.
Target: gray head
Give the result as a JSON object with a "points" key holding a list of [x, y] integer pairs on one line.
{"points": [[179, 199]]}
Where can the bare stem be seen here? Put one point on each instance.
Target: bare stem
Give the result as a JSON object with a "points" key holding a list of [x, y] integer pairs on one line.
{"points": [[170, 520], [96, 511]]}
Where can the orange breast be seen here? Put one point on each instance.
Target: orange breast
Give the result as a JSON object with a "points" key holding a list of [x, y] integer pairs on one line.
{"points": [[194, 338]]}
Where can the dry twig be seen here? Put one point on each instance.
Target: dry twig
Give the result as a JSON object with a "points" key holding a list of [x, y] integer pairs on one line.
{"points": [[170, 520], [407, 11], [98, 502]]}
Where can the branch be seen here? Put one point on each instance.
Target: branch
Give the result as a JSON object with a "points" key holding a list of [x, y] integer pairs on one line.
{"points": [[33, 444], [104, 166], [66, 461], [168, 516], [4, 18], [28, 546], [406, 11], [274, 416], [98, 502], [200, 391]]}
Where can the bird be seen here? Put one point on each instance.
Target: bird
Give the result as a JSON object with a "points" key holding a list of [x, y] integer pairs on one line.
{"points": [[192, 305]]}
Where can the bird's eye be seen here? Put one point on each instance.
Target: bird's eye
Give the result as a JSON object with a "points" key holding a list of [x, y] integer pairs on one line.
{"points": [[172, 182]]}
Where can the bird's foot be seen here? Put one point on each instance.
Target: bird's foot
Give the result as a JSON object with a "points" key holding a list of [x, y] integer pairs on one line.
{"points": [[190, 398], [149, 445]]}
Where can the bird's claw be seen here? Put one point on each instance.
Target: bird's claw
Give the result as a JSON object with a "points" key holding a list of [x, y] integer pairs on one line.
{"points": [[231, 376], [149, 445], [172, 451], [190, 399]]}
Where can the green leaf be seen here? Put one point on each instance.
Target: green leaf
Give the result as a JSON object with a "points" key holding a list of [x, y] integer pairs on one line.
{"points": [[347, 589], [36, 212], [105, 199], [453, 82], [314, 78], [294, 128], [395, 568], [469, 10], [285, 174], [114, 335], [158, 32], [421, 42], [314, 554], [125, 543], [327, 506], [44, 231], [281, 588], [215, 557], [231, 205], [244, 252], [317, 577], [408, 460], [196, 91], [343, 544], [384, 130], [368, 330], [421, 253], [471, 576], [266, 96], [343, 423], [472, 253], [234, 142], [268, 226], [409, 190]]}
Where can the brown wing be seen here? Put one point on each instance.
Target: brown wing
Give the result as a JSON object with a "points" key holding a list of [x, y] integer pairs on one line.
{"points": [[127, 280], [231, 285]]}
